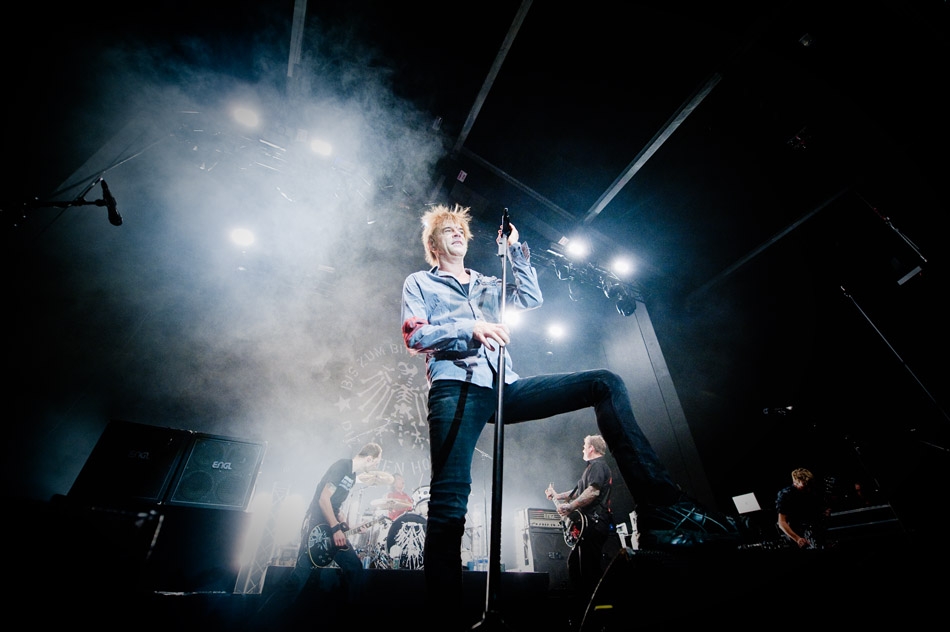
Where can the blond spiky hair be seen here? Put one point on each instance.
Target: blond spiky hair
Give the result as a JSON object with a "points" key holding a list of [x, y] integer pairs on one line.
{"points": [[438, 216]]}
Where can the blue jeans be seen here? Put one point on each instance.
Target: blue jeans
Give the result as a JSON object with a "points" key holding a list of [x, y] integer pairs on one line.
{"points": [[458, 413]]}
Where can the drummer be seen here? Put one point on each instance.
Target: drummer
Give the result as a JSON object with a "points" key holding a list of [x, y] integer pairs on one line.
{"points": [[397, 493]]}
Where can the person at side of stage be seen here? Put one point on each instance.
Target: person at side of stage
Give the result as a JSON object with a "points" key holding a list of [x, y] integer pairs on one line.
{"points": [[591, 498], [397, 492], [325, 511], [802, 511], [452, 314], [286, 607]]}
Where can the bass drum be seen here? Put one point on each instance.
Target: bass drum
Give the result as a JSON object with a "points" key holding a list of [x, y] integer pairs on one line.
{"points": [[406, 542]]}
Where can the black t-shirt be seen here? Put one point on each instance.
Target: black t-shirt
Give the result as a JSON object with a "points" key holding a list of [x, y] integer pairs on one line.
{"points": [[340, 475], [597, 473], [803, 508]]}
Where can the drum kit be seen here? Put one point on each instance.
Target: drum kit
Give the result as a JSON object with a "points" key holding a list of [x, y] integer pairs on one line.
{"points": [[399, 544], [393, 544]]}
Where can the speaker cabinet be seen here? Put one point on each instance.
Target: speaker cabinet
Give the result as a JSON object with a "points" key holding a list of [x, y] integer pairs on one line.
{"points": [[130, 462], [197, 550], [154, 465], [218, 472], [542, 546]]}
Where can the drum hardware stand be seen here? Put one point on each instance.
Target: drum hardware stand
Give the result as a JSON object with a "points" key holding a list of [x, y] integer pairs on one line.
{"points": [[359, 506], [491, 619]]}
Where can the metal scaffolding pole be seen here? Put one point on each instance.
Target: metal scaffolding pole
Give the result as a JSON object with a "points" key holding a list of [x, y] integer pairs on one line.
{"points": [[254, 577]]}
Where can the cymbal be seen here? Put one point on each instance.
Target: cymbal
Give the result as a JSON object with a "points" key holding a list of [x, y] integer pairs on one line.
{"points": [[375, 478], [390, 503]]}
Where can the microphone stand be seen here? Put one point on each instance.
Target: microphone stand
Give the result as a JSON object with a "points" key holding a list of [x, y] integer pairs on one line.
{"points": [[483, 538], [491, 619], [897, 355], [108, 201]]}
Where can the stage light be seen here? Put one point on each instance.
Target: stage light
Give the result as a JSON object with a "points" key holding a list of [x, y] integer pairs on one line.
{"points": [[622, 267], [612, 289], [242, 237], [564, 271], [585, 276], [246, 117], [577, 248], [513, 317], [626, 304], [321, 147]]}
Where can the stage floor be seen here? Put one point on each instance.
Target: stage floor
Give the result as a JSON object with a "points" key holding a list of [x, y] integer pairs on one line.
{"points": [[60, 579]]}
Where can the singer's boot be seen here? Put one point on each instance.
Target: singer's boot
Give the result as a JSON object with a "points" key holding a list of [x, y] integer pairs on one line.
{"points": [[443, 576]]}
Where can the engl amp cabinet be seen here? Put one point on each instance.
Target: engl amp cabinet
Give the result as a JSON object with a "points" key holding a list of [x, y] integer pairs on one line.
{"points": [[541, 547]]}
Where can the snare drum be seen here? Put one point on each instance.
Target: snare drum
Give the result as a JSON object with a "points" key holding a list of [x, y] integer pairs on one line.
{"points": [[406, 541], [420, 501]]}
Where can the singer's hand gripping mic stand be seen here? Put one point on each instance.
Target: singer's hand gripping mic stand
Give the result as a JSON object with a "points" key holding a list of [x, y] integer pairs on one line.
{"points": [[492, 620]]}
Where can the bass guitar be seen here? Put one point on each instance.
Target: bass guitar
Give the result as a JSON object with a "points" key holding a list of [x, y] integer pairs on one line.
{"points": [[320, 546], [572, 525]]}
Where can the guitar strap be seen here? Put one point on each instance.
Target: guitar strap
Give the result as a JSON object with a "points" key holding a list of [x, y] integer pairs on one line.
{"points": [[602, 511], [605, 502]]}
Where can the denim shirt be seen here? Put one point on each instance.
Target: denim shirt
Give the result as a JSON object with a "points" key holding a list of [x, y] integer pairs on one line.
{"points": [[439, 316]]}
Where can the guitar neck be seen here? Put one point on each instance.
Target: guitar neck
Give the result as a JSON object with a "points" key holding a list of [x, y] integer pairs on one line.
{"points": [[349, 532]]}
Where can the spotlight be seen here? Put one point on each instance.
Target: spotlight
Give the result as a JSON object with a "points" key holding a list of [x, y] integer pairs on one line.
{"points": [[612, 290], [563, 271], [626, 305], [577, 249], [571, 292], [242, 237], [321, 147], [622, 267]]}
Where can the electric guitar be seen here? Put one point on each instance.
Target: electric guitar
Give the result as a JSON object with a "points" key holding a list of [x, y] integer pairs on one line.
{"points": [[573, 525], [320, 546]]}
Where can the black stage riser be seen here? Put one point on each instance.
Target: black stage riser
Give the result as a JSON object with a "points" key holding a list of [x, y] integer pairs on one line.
{"points": [[107, 549], [845, 586], [397, 599]]}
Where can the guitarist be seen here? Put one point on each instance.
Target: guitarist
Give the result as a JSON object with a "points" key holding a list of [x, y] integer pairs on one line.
{"points": [[591, 497], [802, 510], [325, 511], [286, 605]]}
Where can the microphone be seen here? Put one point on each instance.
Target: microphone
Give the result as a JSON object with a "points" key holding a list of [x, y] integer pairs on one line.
{"points": [[505, 233], [114, 218]]}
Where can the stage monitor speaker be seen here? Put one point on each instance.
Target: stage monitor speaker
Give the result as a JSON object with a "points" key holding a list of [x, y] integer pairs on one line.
{"points": [[130, 462], [218, 472]]}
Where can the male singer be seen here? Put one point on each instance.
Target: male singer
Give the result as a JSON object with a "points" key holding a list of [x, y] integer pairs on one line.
{"points": [[452, 315]]}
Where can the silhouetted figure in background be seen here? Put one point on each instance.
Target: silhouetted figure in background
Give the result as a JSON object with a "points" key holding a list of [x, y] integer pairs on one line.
{"points": [[802, 511]]}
